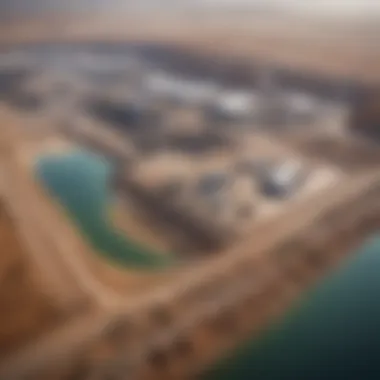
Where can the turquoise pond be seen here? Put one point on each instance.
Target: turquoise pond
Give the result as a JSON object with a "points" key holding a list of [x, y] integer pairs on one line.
{"points": [[80, 182], [332, 333]]}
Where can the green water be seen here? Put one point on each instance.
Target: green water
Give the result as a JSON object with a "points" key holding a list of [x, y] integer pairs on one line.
{"points": [[79, 181], [333, 333]]}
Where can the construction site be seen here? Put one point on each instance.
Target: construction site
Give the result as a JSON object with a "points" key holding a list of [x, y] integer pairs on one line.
{"points": [[159, 207]]}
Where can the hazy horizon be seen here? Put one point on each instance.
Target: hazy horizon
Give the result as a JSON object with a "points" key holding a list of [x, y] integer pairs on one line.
{"points": [[342, 8]]}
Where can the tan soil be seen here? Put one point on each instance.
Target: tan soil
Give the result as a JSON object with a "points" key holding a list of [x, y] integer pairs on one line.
{"points": [[26, 311]]}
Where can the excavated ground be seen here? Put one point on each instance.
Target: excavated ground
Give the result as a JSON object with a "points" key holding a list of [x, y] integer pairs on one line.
{"points": [[27, 312]]}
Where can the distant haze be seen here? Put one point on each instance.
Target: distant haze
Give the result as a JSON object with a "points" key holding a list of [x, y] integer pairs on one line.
{"points": [[345, 8]]}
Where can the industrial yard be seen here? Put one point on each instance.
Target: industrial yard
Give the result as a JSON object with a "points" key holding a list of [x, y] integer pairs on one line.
{"points": [[212, 156]]}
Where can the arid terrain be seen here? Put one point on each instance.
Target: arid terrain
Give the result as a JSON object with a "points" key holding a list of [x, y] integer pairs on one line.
{"points": [[325, 47], [227, 149]]}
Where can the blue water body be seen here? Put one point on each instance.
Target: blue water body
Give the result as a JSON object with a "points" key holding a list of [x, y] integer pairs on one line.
{"points": [[80, 182], [333, 333]]}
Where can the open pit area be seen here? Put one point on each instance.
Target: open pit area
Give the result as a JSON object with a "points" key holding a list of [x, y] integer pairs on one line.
{"points": [[159, 180], [206, 153]]}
